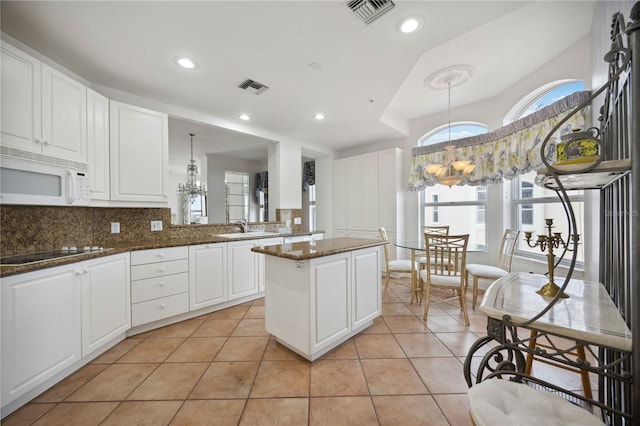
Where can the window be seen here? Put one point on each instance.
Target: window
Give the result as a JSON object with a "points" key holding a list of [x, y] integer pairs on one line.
{"points": [[458, 131], [481, 195], [463, 208], [532, 204], [526, 210], [435, 218], [312, 207]]}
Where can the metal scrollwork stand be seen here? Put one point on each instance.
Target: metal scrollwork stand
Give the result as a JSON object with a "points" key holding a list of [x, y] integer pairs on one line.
{"points": [[503, 349]]}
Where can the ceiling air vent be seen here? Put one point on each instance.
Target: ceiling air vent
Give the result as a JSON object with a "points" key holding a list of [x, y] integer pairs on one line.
{"points": [[370, 10], [254, 86]]}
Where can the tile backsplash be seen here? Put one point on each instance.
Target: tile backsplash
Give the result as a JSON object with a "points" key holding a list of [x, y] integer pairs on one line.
{"points": [[25, 229], [290, 215]]}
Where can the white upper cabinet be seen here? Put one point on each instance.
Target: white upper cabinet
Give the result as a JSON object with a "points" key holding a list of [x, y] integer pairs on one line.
{"points": [[354, 192], [369, 191], [98, 144], [43, 110], [139, 154], [21, 125], [390, 189], [64, 116], [368, 194], [340, 194]]}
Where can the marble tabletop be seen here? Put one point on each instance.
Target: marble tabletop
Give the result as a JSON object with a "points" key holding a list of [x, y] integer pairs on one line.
{"points": [[588, 314], [320, 248]]}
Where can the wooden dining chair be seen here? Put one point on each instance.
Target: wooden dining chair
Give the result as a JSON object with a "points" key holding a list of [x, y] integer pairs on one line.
{"points": [[400, 265], [445, 269], [432, 229], [490, 272]]}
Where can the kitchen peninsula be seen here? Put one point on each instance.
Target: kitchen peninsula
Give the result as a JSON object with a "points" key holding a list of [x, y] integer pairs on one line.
{"points": [[320, 293]]}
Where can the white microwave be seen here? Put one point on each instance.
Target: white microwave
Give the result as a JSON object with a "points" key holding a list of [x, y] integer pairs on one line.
{"points": [[23, 181]]}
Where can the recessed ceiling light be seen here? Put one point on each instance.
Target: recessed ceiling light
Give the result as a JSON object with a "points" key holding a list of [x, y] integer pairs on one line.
{"points": [[319, 116], [411, 24], [185, 63], [244, 117]]}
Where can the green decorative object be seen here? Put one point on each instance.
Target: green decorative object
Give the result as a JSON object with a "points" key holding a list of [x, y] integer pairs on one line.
{"points": [[578, 147]]}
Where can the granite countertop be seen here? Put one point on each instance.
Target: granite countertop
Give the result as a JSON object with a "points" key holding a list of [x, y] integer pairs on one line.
{"points": [[313, 249], [7, 270]]}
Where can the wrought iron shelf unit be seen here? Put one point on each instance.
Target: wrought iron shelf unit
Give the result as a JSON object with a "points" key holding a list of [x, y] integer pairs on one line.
{"points": [[574, 178]]}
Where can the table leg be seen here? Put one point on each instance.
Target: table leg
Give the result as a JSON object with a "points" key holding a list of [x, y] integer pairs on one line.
{"points": [[413, 274]]}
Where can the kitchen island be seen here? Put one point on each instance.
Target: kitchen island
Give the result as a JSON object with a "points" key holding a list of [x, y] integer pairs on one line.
{"points": [[320, 293]]}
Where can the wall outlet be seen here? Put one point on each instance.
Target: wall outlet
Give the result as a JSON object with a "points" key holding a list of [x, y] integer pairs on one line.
{"points": [[115, 227], [156, 225], [297, 220]]}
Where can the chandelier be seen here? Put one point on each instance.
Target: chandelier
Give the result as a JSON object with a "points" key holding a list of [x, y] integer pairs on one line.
{"points": [[453, 171], [192, 187]]}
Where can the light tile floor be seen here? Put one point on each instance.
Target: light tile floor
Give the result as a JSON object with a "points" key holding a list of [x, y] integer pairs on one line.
{"points": [[224, 369]]}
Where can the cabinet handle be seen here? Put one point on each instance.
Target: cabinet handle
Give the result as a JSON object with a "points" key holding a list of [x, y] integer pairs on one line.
{"points": [[78, 273], [162, 305], [161, 255], [86, 271], [161, 284], [46, 142], [162, 270]]}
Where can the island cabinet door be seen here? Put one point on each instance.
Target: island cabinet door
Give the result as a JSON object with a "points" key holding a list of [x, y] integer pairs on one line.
{"points": [[207, 275], [365, 285], [330, 299]]}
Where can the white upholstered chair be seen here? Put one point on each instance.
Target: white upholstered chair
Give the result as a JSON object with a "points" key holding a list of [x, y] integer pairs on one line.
{"points": [[432, 229], [445, 270], [489, 272], [400, 265], [503, 402]]}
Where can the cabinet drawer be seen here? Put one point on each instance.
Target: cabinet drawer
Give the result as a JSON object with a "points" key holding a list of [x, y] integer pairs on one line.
{"points": [[157, 287], [157, 309], [159, 255], [141, 272]]}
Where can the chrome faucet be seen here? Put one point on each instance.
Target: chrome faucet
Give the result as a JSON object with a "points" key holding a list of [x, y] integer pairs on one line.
{"points": [[242, 225]]}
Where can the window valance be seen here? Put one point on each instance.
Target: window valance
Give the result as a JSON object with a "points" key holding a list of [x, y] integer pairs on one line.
{"points": [[262, 182], [308, 175], [503, 153]]}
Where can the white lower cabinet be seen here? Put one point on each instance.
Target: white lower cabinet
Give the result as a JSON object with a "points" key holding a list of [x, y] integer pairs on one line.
{"points": [[312, 306], [207, 275], [54, 317], [365, 270], [242, 269], [264, 243], [106, 289], [159, 284], [41, 327], [330, 299]]}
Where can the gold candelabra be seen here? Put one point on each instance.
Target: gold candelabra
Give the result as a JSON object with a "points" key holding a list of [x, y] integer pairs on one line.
{"points": [[549, 242]]}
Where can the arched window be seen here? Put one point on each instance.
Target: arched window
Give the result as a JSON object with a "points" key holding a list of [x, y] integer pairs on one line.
{"points": [[463, 208], [458, 131], [532, 204]]}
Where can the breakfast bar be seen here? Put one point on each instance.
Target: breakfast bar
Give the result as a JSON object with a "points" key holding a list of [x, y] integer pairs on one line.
{"points": [[320, 293]]}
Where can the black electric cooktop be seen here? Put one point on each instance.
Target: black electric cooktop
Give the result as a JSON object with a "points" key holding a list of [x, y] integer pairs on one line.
{"points": [[41, 256]]}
